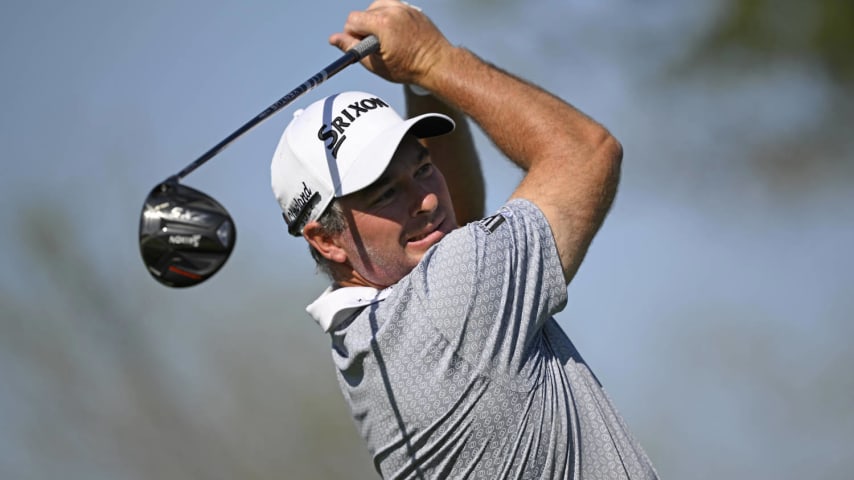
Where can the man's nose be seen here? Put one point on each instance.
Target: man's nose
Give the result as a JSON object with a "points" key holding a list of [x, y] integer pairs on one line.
{"points": [[426, 201]]}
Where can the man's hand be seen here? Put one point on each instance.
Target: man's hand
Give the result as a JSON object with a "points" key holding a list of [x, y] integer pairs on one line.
{"points": [[410, 45]]}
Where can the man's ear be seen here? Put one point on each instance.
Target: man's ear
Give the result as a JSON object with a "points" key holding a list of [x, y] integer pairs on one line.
{"points": [[326, 244]]}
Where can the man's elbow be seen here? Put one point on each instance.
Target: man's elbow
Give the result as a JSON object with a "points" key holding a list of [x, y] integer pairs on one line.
{"points": [[608, 155], [608, 148]]}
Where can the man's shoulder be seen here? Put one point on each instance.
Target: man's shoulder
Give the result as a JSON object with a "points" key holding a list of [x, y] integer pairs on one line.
{"points": [[517, 210], [468, 251]]}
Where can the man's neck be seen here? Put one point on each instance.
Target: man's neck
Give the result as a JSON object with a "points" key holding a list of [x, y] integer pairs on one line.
{"points": [[352, 278]]}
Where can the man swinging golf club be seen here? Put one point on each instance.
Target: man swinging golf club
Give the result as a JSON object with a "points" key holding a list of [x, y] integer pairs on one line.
{"points": [[441, 321]]}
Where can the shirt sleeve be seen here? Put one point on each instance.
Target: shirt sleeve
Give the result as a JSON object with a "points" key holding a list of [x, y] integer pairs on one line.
{"points": [[490, 286]]}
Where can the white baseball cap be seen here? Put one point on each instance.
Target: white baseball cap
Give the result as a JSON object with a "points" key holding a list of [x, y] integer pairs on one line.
{"points": [[338, 146]]}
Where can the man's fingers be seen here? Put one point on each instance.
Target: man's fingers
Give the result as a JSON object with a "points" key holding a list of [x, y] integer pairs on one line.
{"points": [[343, 41], [355, 29], [408, 38]]}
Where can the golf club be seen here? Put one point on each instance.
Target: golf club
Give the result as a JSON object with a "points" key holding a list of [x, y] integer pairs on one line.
{"points": [[185, 236]]}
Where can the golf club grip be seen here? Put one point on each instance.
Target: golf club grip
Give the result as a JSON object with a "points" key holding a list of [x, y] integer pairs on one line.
{"points": [[367, 46]]}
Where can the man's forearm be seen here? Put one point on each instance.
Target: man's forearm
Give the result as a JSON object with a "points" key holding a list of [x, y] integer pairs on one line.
{"points": [[522, 119]]}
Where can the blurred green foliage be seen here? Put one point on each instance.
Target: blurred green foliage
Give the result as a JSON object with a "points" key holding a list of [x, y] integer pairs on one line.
{"points": [[820, 32]]}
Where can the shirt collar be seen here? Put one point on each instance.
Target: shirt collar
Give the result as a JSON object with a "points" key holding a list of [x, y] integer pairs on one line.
{"points": [[334, 306]]}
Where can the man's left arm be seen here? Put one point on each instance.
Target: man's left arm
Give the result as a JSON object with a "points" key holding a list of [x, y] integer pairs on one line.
{"points": [[455, 156]]}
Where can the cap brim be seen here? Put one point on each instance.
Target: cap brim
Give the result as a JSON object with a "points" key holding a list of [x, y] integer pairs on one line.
{"points": [[375, 158]]}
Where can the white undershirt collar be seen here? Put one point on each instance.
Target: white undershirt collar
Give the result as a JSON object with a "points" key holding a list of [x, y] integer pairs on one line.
{"points": [[335, 305]]}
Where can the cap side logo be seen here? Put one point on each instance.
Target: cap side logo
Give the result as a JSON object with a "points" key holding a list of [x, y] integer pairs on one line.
{"points": [[298, 213], [298, 204], [333, 133]]}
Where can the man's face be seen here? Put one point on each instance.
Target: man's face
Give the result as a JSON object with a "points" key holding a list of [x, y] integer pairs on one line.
{"points": [[393, 222]]}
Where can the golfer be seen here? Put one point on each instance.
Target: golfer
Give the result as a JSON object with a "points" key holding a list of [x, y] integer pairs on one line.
{"points": [[441, 319]]}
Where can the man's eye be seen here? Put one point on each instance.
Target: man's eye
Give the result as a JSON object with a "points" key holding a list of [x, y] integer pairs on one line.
{"points": [[425, 170], [387, 195]]}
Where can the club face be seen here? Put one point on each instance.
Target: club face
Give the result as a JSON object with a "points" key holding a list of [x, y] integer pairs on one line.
{"points": [[185, 236]]}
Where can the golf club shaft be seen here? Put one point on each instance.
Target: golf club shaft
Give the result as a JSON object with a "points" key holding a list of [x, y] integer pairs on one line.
{"points": [[364, 48]]}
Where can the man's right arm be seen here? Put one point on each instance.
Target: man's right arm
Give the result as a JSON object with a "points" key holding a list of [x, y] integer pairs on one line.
{"points": [[571, 162]]}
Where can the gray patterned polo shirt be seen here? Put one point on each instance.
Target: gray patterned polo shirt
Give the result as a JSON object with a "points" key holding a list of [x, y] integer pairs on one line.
{"points": [[460, 371]]}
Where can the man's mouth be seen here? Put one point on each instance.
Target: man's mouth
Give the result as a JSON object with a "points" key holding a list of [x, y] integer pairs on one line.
{"points": [[420, 237], [429, 235]]}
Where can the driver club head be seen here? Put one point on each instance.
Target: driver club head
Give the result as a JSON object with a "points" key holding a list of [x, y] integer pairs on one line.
{"points": [[185, 236]]}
